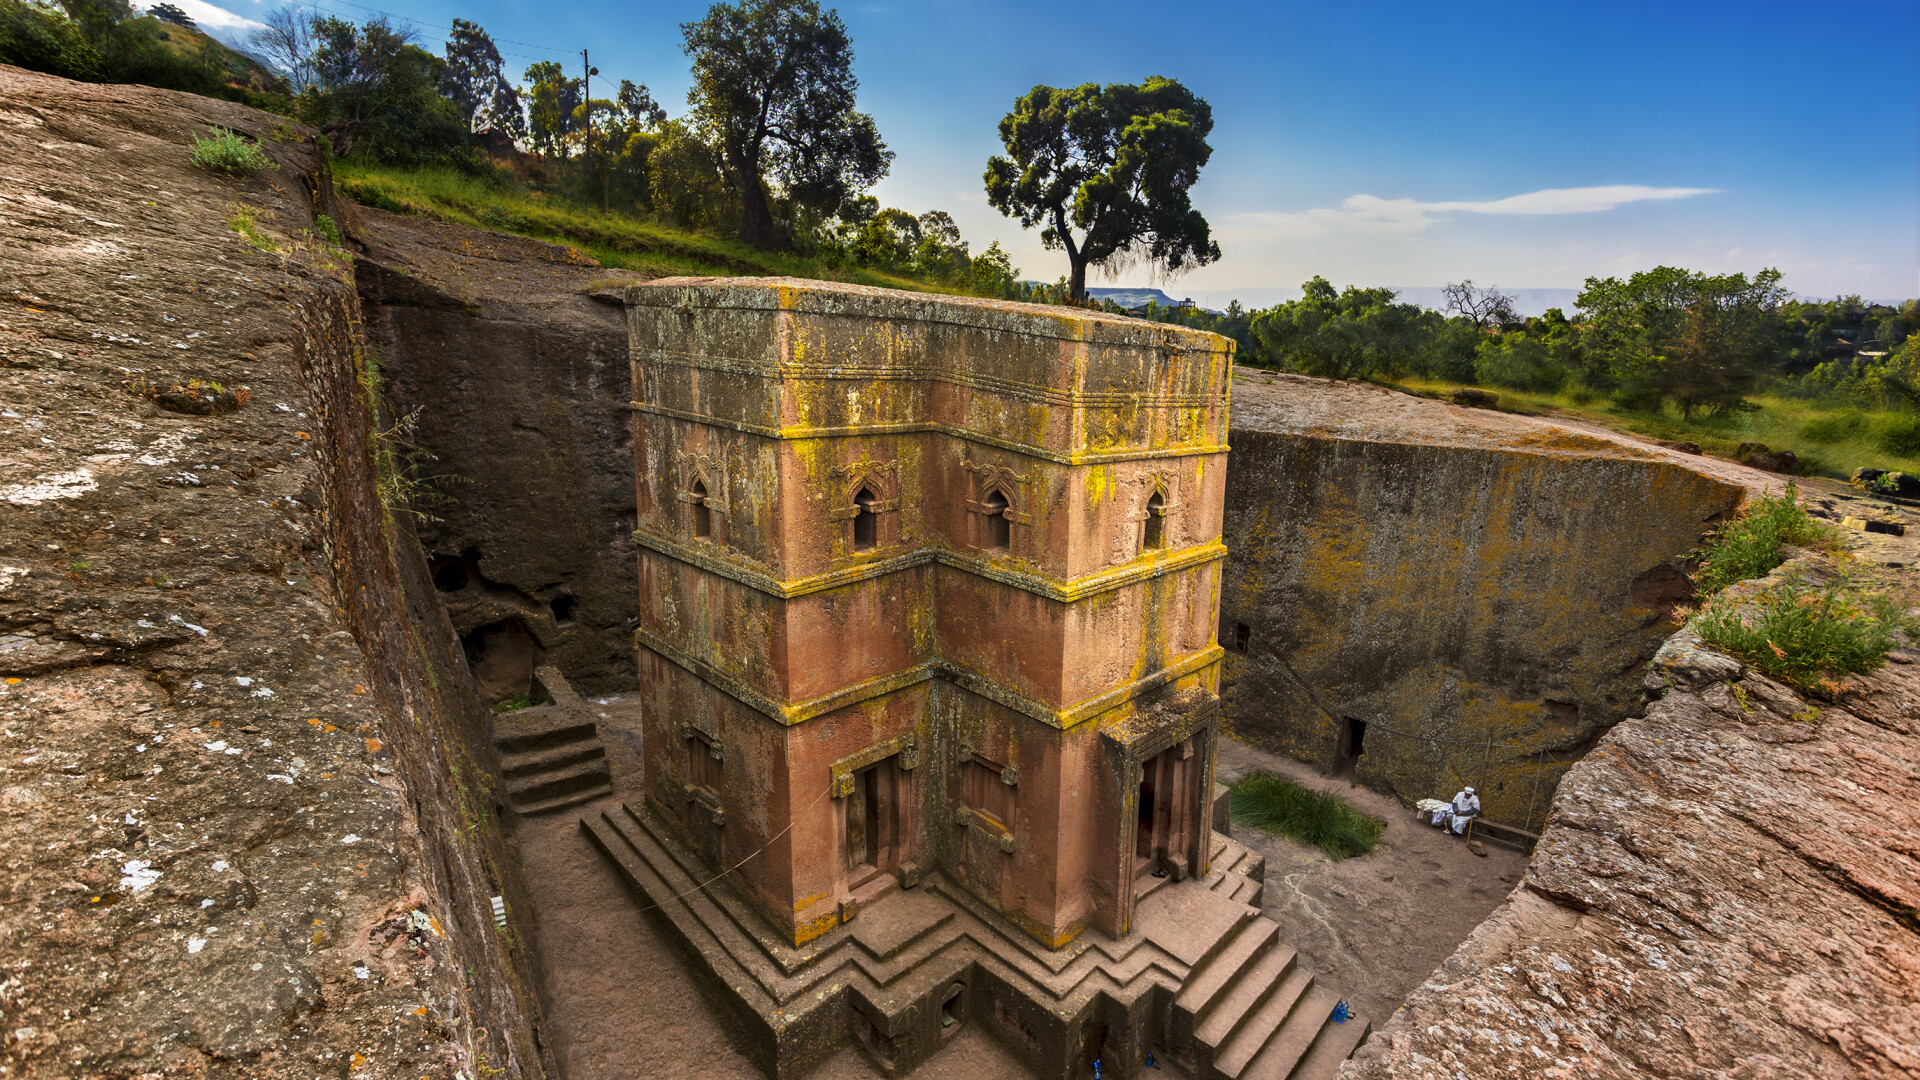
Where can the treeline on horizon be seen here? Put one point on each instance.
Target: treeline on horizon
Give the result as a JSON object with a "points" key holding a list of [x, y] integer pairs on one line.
{"points": [[1702, 344], [777, 155]]}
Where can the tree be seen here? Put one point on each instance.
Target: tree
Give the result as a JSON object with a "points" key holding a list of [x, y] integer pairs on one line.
{"points": [[477, 83], [35, 38], [773, 94], [1487, 309], [286, 40], [640, 108], [1698, 340], [1345, 334], [686, 182], [552, 101], [377, 94], [172, 14], [1115, 163]]}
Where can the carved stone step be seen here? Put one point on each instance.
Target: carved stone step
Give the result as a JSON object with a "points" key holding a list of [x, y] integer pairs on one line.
{"points": [[1242, 1000], [566, 781], [1253, 1034], [1276, 1060], [1335, 1044], [526, 762]]}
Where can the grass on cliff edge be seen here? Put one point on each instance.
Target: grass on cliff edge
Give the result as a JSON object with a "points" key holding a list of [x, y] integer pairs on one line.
{"points": [[613, 240], [1806, 636], [1829, 440], [1749, 545], [1270, 804]]}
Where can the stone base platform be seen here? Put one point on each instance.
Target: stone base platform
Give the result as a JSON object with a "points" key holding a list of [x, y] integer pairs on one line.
{"points": [[1202, 982]]}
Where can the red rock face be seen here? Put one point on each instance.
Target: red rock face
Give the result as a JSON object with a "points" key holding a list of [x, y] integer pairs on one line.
{"points": [[927, 583]]}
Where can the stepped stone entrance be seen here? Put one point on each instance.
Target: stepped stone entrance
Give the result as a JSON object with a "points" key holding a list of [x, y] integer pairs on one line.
{"points": [[929, 696], [551, 758]]}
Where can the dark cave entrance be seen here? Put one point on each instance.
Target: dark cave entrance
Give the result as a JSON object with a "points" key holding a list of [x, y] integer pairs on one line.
{"points": [[1353, 739], [502, 657]]}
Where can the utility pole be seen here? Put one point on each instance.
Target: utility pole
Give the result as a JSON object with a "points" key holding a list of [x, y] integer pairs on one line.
{"points": [[587, 72]]}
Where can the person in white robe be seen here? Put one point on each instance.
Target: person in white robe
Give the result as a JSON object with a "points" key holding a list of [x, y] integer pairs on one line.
{"points": [[1466, 807]]}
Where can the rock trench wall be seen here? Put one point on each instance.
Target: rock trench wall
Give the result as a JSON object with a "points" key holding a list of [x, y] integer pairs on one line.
{"points": [[247, 827], [521, 381], [1726, 887], [1459, 606]]}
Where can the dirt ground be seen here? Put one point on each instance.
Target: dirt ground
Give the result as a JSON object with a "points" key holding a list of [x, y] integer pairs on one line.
{"points": [[1374, 927]]}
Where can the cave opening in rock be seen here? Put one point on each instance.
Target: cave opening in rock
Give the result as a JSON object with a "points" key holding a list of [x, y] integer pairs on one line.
{"points": [[454, 573], [502, 656], [1155, 535], [1242, 635], [1353, 738], [562, 608]]}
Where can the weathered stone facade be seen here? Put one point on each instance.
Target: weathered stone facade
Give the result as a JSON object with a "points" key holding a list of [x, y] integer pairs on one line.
{"points": [[1425, 596], [927, 582]]}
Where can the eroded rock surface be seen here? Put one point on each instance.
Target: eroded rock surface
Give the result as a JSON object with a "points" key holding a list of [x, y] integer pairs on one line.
{"points": [[1727, 887], [230, 844]]}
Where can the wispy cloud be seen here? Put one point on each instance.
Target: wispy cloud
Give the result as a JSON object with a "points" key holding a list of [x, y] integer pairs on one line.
{"points": [[1370, 213]]}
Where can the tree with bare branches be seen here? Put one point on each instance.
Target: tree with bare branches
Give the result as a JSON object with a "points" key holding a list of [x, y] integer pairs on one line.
{"points": [[1487, 309]]}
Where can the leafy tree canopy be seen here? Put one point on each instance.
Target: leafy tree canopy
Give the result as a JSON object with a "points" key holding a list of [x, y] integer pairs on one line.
{"points": [[171, 13], [476, 80], [773, 94], [1107, 173], [1344, 334], [1701, 341]]}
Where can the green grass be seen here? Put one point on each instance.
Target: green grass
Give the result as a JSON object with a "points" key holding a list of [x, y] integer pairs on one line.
{"points": [[1749, 545], [1830, 440], [616, 240], [1266, 802], [227, 152], [1805, 636]]}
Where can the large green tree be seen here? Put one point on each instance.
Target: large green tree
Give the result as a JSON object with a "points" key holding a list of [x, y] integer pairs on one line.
{"points": [[553, 101], [477, 82], [773, 94], [375, 93], [1701, 341], [1106, 171], [1346, 333]]}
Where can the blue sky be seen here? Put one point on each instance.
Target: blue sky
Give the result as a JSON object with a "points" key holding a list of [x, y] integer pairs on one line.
{"points": [[1529, 145]]}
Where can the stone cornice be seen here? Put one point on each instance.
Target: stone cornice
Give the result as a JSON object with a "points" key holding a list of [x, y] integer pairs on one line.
{"points": [[754, 576], [789, 714], [1081, 457]]}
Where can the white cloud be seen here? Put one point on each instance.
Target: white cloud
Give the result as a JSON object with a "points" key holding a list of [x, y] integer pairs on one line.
{"points": [[1370, 213], [209, 17]]}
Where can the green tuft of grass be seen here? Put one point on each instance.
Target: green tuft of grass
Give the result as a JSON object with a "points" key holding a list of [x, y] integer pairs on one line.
{"points": [[1806, 636], [325, 226], [1270, 804], [228, 152], [514, 704], [1749, 545]]}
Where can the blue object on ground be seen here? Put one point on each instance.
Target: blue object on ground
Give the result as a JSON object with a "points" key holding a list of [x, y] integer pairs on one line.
{"points": [[1340, 1013]]}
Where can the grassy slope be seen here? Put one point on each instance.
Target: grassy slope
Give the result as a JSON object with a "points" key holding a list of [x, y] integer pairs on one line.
{"points": [[614, 240], [240, 70], [1781, 423]]}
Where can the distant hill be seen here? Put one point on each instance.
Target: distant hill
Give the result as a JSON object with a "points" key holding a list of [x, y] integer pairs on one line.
{"points": [[238, 70]]}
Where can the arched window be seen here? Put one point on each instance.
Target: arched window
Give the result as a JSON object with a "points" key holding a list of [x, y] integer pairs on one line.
{"points": [[1156, 523], [999, 525], [702, 514], [866, 522]]}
